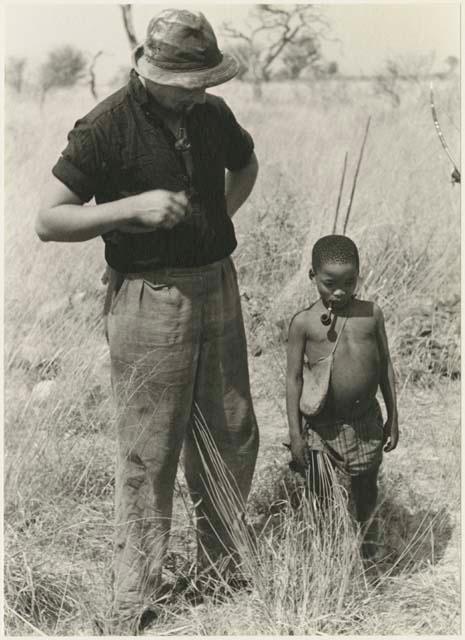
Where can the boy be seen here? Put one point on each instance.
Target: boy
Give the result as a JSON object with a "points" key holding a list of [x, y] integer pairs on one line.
{"points": [[345, 343]]}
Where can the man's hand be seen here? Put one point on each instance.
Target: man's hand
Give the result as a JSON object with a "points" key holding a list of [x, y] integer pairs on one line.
{"points": [[156, 209], [62, 218], [391, 434], [298, 450]]}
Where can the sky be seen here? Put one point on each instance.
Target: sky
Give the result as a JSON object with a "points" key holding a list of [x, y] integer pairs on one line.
{"points": [[364, 35]]}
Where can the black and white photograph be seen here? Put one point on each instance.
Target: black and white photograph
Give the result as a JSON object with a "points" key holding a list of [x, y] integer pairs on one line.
{"points": [[232, 302]]}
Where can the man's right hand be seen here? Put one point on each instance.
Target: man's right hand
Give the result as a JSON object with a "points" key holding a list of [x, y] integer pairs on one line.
{"points": [[156, 209], [62, 218]]}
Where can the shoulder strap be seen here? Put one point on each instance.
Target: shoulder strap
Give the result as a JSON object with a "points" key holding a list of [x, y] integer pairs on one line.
{"points": [[339, 334], [302, 310]]}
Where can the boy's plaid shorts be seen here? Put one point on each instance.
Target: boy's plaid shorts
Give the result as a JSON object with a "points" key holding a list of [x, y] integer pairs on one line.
{"points": [[355, 445]]}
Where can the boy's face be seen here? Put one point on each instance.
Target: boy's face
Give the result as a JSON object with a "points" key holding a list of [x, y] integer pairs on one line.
{"points": [[336, 283]]}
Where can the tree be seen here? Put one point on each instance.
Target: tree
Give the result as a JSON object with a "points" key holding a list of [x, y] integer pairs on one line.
{"points": [[453, 63], [415, 66], [400, 70], [386, 82], [300, 54], [269, 34], [126, 10], [14, 72], [64, 67], [332, 68]]}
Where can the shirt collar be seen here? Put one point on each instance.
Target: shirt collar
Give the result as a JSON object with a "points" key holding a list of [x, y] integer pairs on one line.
{"points": [[145, 99], [137, 89]]}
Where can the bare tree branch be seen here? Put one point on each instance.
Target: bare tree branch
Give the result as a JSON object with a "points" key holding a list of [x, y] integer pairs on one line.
{"points": [[232, 32], [271, 29], [279, 46], [92, 79], [126, 10], [270, 8]]}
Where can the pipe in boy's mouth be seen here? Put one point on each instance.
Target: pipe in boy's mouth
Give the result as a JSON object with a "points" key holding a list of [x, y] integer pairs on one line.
{"points": [[341, 303], [326, 317]]}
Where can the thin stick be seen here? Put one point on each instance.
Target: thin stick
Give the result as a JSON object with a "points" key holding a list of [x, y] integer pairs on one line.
{"points": [[439, 132], [346, 221], [341, 186], [38, 631]]}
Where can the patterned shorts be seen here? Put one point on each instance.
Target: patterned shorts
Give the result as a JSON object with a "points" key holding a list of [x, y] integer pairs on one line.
{"points": [[355, 446]]}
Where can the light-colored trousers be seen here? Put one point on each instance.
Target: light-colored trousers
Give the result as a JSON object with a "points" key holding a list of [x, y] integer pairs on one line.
{"points": [[176, 340]]}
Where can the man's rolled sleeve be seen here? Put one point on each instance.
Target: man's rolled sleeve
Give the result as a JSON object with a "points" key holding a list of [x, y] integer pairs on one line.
{"points": [[79, 167], [239, 142]]}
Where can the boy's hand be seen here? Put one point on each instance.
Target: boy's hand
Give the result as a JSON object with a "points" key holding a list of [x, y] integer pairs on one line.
{"points": [[298, 450], [391, 434]]}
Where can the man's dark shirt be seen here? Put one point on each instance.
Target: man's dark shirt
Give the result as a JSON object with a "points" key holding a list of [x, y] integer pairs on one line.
{"points": [[122, 148]]}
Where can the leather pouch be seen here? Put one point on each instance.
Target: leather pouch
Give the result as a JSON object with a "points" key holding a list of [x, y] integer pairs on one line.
{"points": [[316, 379], [315, 386]]}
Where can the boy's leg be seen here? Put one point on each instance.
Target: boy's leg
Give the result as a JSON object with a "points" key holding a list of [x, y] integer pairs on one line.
{"points": [[222, 395], [365, 494], [153, 358]]}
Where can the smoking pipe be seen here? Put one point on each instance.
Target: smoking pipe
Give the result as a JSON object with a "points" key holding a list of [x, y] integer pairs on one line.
{"points": [[326, 317]]}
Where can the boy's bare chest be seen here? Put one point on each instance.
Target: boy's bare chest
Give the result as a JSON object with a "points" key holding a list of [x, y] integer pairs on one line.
{"points": [[358, 335]]}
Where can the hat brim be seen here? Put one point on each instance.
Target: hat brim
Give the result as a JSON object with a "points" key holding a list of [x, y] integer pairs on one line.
{"points": [[204, 78]]}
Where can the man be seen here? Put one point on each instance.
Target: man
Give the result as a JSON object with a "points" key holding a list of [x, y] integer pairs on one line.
{"points": [[154, 156]]}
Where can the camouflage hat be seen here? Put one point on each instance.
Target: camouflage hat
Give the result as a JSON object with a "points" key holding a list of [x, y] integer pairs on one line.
{"points": [[181, 50]]}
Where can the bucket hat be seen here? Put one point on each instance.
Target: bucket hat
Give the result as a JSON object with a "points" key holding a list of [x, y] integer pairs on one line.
{"points": [[181, 50]]}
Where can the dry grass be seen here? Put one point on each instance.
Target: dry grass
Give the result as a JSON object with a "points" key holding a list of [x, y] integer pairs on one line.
{"points": [[58, 414]]}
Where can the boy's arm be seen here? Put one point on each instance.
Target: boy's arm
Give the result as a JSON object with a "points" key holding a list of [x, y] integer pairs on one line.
{"points": [[387, 384], [294, 381]]}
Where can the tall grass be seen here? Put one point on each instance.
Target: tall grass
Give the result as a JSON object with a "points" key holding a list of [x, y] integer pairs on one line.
{"points": [[302, 564], [303, 569]]}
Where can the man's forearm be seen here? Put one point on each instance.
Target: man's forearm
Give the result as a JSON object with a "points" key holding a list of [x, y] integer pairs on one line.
{"points": [[239, 185], [77, 223]]}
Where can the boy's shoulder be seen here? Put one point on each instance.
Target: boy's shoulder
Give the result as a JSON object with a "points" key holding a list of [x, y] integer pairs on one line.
{"points": [[358, 303], [307, 316], [366, 309]]}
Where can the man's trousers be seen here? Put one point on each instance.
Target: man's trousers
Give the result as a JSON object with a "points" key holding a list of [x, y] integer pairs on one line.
{"points": [[177, 345]]}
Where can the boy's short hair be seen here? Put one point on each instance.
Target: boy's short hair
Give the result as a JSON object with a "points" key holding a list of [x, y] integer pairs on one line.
{"points": [[334, 248]]}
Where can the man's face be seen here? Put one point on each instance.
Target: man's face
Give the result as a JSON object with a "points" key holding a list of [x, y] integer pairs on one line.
{"points": [[176, 98], [336, 283]]}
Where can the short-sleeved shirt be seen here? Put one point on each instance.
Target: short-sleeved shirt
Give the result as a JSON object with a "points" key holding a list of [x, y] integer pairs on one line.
{"points": [[122, 148]]}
